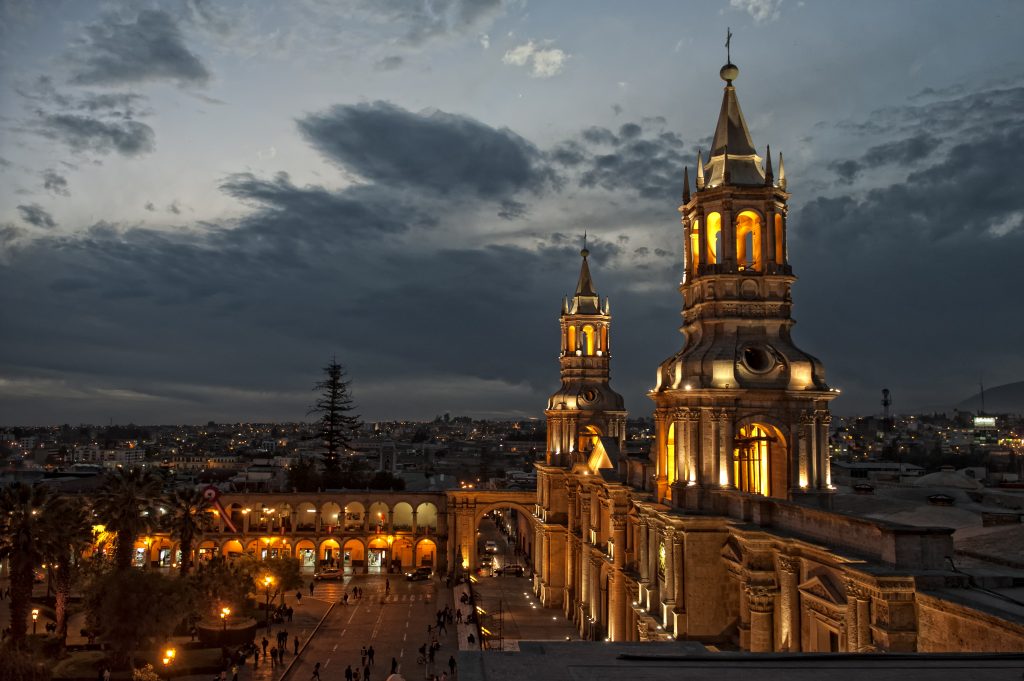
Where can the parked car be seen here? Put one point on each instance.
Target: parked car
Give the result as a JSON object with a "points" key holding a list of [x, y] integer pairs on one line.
{"points": [[328, 573], [517, 570], [419, 574]]}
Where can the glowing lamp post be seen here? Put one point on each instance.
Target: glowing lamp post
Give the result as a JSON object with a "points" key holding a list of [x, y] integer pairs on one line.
{"points": [[35, 620], [268, 582], [168, 660], [224, 614]]}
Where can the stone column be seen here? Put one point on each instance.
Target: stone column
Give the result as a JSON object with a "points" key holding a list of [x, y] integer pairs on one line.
{"points": [[617, 596], [807, 450], [585, 551], [641, 551], [769, 237], [669, 596], [761, 601], [678, 575], [789, 603], [660, 451], [858, 617], [245, 521], [653, 592], [415, 526], [391, 521], [725, 475], [824, 419]]}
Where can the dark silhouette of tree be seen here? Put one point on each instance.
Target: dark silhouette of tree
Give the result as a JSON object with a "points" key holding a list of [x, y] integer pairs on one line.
{"points": [[188, 517], [68, 534], [303, 476], [336, 421], [24, 517], [124, 504]]}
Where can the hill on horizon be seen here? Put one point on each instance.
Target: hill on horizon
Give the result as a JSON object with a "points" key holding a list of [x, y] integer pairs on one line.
{"points": [[1002, 399]]}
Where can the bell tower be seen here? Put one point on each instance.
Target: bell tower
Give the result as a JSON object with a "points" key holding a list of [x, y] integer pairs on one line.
{"points": [[585, 407], [739, 406]]}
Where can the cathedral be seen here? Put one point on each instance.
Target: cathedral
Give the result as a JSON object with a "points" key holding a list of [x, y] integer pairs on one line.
{"points": [[723, 533]]}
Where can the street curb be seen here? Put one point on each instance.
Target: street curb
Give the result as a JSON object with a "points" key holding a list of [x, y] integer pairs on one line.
{"points": [[295, 658]]}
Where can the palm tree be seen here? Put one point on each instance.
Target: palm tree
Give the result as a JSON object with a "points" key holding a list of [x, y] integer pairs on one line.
{"points": [[23, 514], [187, 517], [68, 534], [125, 505]]}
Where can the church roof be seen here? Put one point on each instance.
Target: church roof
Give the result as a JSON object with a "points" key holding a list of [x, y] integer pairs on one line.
{"points": [[586, 300], [734, 159]]}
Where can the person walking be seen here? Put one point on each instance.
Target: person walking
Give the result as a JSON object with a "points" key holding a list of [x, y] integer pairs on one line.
{"points": [[311, 583], [234, 672], [366, 674], [394, 665], [387, 585], [452, 664], [273, 656], [369, 654], [298, 598], [348, 673], [316, 672], [362, 656], [296, 644]]}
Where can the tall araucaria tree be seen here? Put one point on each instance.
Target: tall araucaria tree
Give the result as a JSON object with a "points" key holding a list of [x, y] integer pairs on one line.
{"points": [[188, 516], [24, 512], [337, 424], [125, 504]]}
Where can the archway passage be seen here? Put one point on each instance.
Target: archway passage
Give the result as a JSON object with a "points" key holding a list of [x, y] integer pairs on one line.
{"points": [[759, 460], [378, 554], [504, 541], [354, 556]]}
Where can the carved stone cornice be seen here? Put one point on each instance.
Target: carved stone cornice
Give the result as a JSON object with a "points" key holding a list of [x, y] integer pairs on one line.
{"points": [[788, 564], [761, 598], [618, 522], [856, 590]]}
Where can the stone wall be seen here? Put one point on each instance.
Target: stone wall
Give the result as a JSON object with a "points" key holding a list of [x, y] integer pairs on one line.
{"points": [[946, 626]]}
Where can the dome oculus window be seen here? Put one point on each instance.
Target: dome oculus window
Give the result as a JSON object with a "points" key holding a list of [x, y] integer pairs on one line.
{"points": [[758, 359]]}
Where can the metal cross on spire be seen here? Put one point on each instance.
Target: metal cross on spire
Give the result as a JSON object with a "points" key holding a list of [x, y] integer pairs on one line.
{"points": [[584, 239], [728, 40]]}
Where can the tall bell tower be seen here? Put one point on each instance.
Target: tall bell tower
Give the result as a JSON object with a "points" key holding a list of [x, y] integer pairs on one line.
{"points": [[585, 407], [739, 406]]}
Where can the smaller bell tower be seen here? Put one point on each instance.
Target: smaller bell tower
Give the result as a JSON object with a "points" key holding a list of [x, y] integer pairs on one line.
{"points": [[585, 407]]}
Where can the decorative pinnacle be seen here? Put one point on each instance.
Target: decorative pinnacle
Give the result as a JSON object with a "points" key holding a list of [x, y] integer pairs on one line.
{"points": [[700, 169], [686, 184], [782, 173], [768, 174]]}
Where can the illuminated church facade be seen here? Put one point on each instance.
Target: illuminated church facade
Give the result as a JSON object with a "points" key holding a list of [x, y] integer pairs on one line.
{"points": [[723, 533]]}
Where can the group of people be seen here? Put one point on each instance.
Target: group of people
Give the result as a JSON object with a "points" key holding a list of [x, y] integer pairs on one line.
{"points": [[357, 594], [275, 652]]}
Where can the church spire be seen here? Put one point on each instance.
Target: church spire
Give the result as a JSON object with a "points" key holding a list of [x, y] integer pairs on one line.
{"points": [[586, 300], [700, 169], [734, 159]]}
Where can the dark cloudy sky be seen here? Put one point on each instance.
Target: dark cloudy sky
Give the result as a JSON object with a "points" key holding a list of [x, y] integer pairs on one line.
{"points": [[201, 202]]}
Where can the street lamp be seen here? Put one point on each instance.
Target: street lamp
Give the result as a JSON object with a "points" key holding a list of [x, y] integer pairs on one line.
{"points": [[224, 612], [268, 581], [35, 619], [168, 659]]}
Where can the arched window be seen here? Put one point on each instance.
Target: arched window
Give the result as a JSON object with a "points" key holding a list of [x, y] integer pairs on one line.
{"points": [[749, 232], [588, 340], [571, 347], [695, 246], [714, 230], [780, 246], [604, 339], [752, 456], [670, 455]]}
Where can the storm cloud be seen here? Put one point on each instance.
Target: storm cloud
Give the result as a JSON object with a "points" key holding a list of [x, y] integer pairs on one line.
{"points": [[36, 215], [433, 150], [125, 51], [84, 133]]}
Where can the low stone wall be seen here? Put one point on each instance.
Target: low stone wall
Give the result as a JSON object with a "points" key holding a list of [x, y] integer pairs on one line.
{"points": [[902, 546], [944, 625]]}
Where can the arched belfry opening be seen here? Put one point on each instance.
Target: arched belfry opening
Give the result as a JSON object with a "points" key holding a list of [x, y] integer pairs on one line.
{"points": [[760, 460]]}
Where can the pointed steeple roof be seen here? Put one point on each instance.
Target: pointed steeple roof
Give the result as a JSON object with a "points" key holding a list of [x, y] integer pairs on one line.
{"points": [[732, 144], [731, 130], [586, 300]]}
